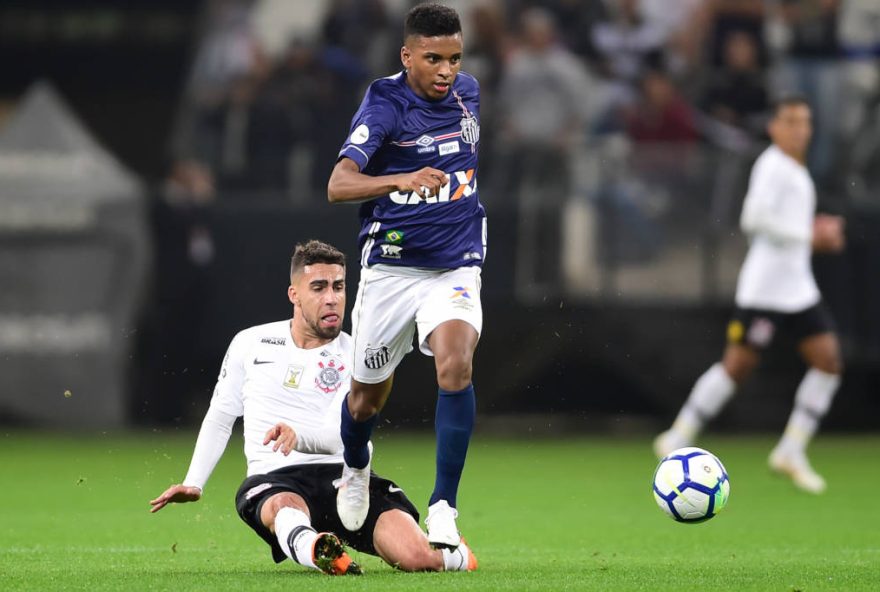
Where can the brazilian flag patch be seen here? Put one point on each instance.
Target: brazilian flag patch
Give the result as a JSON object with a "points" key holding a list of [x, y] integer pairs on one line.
{"points": [[394, 237]]}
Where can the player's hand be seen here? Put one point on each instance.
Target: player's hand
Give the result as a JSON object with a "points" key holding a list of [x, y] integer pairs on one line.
{"points": [[828, 233], [176, 494], [284, 437], [426, 182]]}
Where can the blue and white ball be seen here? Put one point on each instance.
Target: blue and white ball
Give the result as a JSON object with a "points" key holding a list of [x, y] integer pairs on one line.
{"points": [[691, 485]]}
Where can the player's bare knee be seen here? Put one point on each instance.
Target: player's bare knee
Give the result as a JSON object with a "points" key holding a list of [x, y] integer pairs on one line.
{"points": [[454, 372], [362, 405], [273, 505]]}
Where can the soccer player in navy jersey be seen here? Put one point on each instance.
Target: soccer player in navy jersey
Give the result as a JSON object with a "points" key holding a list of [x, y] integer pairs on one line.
{"points": [[411, 160]]}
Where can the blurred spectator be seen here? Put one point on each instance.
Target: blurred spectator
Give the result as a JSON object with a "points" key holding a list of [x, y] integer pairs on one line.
{"points": [[735, 16], [737, 93], [362, 29], [544, 102], [573, 19], [228, 54], [686, 25], [627, 45], [486, 45], [810, 67], [662, 115], [175, 316], [859, 35]]}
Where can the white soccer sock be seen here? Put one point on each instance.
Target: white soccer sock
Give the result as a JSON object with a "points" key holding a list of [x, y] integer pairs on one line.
{"points": [[456, 559], [811, 403], [711, 391], [296, 535]]}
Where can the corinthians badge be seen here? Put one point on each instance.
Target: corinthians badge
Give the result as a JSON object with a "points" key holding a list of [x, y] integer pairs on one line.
{"points": [[330, 376]]}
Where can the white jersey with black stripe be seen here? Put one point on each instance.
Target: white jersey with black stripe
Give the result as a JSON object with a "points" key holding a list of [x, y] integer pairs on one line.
{"points": [[266, 379]]}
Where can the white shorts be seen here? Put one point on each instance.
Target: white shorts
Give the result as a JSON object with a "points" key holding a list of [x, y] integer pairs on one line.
{"points": [[392, 302]]}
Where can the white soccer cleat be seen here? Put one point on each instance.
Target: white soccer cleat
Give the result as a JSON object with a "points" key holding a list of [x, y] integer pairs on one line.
{"points": [[796, 466], [353, 496], [668, 441], [442, 531]]}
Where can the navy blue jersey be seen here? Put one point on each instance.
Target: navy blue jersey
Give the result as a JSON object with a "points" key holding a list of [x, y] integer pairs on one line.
{"points": [[396, 131]]}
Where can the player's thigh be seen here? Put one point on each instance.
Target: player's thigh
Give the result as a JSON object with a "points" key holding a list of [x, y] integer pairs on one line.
{"points": [[822, 351], [398, 540], [383, 324], [814, 330], [453, 295], [739, 361]]}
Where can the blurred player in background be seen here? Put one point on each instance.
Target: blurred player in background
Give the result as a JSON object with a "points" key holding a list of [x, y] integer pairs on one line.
{"points": [[411, 157], [776, 291], [288, 379]]}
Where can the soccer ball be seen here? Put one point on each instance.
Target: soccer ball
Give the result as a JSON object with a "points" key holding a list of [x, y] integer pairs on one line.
{"points": [[691, 485]]}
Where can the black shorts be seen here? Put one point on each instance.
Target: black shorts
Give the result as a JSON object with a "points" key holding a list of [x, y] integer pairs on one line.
{"points": [[314, 483], [757, 328]]}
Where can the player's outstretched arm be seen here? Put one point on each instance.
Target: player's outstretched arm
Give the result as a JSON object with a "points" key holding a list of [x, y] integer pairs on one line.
{"points": [[348, 184], [176, 494]]}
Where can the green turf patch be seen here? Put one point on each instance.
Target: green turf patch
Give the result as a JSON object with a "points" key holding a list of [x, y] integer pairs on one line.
{"points": [[539, 514]]}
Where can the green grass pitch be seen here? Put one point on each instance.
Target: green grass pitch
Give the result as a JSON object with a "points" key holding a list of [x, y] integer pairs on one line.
{"points": [[574, 514]]}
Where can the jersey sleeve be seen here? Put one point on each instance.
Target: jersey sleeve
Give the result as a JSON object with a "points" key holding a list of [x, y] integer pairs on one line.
{"points": [[766, 210], [373, 123], [213, 438], [226, 406]]}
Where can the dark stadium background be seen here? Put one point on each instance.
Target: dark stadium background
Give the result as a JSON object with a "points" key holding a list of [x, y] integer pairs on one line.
{"points": [[605, 294]]}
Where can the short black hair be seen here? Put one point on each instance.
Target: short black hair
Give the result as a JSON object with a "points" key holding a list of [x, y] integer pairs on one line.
{"points": [[787, 100], [431, 20], [315, 251]]}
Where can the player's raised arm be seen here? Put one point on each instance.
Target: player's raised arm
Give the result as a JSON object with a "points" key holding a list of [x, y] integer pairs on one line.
{"points": [[348, 184]]}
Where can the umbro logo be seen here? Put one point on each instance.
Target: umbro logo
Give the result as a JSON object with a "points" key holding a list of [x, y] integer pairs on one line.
{"points": [[256, 361]]}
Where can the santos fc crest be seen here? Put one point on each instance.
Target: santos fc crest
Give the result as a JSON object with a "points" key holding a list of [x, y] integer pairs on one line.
{"points": [[470, 129], [330, 376]]}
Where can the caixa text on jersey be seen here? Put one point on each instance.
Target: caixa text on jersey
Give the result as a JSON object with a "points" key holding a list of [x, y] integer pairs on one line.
{"points": [[466, 185]]}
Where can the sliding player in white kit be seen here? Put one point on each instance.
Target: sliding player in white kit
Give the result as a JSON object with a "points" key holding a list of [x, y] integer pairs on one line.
{"points": [[288, 379], [776, 291], [411, 158]]}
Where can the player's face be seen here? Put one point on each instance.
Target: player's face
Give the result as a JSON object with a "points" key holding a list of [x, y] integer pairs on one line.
{"points": [[318, 297], [432, 64], [791, 129]]}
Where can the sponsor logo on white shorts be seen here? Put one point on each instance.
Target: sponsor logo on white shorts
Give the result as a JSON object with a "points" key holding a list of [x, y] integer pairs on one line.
{"points": [[257, 490], [761, 332]]}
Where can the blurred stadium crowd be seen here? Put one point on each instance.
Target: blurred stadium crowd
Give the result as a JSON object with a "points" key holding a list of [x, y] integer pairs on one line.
{"points": [[274, 84], [616, 142], [637, 119]]}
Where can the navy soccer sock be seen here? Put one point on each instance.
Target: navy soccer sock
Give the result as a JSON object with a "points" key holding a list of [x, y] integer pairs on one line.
{"points": [[355, 437], [454, 423]]}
